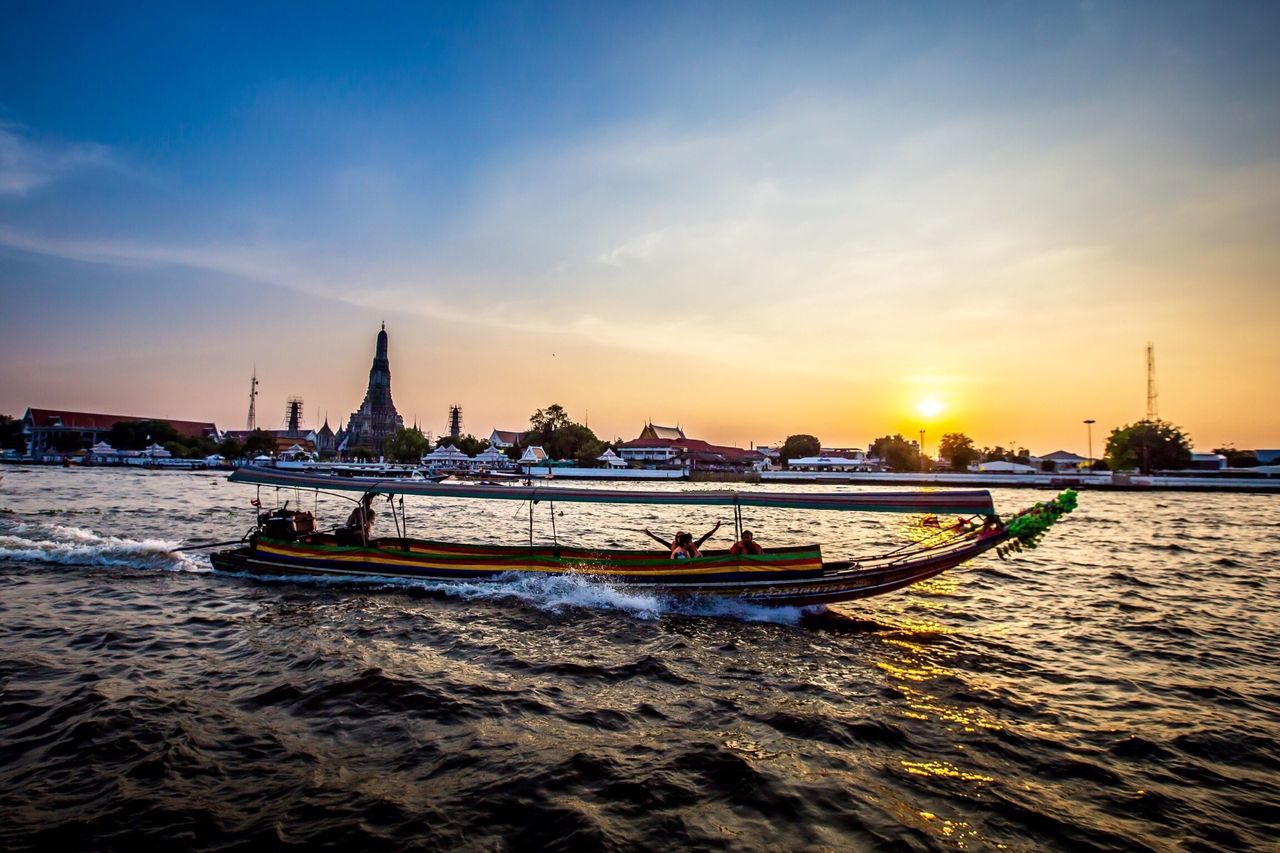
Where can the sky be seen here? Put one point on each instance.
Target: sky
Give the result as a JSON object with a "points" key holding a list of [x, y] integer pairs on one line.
{"points": [[753, 220]]}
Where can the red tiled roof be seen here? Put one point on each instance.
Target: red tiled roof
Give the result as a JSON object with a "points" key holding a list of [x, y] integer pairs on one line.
{"points": [[47, 418], [509, 437], [689, 445]]}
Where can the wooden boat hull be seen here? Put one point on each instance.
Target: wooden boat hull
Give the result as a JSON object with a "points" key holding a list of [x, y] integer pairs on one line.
{"points": [[784, 576]]}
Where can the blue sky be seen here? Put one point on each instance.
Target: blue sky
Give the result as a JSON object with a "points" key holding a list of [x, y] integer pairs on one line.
{"points": [[643, 210]]}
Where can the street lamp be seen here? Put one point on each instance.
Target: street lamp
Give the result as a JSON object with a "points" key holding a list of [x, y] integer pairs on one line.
{"points": [[1089, 426], [922, 456]]}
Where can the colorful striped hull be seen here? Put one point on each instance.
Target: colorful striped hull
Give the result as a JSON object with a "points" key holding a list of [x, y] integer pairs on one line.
{"points": [[781, 576]]}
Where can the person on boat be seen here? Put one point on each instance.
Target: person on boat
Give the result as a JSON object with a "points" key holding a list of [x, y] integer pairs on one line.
{"points": [[684, 548], [746, 545], [362, 517], [684, 542]]}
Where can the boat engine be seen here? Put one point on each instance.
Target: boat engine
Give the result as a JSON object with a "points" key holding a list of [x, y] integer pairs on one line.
{"points": [[285, 523]]}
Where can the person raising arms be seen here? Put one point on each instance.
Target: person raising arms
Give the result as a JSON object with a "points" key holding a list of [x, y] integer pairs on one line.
{"points": [[683, 543]]}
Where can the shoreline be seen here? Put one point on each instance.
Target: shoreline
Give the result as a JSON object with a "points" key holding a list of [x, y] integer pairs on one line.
{"points": [[1099, 482]]}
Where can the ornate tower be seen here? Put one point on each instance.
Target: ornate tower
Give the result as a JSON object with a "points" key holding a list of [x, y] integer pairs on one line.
{"points": [[377, 419]]}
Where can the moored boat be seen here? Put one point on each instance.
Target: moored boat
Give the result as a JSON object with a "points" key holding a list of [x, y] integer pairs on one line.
{"points": [[286, 542]]}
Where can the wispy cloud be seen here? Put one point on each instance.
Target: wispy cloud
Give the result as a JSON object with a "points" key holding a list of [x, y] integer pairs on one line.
{"points": [[26, 164]]}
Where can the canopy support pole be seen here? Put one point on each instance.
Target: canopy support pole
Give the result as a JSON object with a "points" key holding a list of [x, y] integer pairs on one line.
{"points": [[554, 541], [405, 519]]}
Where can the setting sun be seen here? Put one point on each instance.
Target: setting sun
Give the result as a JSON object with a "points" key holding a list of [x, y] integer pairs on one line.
{"points": [[930, 407]]}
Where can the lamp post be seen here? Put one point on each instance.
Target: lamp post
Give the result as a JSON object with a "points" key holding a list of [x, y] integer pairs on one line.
{"points": [[922, 457], [1088, 424]]}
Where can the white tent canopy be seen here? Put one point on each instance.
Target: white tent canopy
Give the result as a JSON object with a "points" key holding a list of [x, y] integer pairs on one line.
{"points": [[446, 454], [533, 455], [612, 459]]}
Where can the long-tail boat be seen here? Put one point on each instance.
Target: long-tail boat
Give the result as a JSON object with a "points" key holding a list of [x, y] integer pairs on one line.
{"points": [[286, 542]]}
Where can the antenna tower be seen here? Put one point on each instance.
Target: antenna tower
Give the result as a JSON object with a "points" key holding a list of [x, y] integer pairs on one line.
{"points": [[252, 422], [455, 421], [293, 414], [1153, 410]]}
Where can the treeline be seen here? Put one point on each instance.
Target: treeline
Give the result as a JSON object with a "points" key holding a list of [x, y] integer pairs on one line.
{"points": [[1146, 445]]}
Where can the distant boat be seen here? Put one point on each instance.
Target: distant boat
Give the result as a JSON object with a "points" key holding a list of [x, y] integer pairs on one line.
{"points": [[286, 542]]}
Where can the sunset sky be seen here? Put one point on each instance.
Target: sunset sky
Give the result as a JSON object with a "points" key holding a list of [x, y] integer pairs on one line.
{"points": [[754, 220]]}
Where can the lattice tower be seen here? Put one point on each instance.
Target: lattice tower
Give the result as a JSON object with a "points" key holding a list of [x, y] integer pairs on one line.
{"points": [[252, 421], [1153, 409]]}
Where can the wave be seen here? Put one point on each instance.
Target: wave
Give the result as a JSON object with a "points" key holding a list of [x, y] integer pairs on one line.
{"points": [[79, 546], [561, 592]]}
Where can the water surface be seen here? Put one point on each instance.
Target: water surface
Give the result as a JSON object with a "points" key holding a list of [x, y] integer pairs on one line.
{"points": [[1119, 688]]}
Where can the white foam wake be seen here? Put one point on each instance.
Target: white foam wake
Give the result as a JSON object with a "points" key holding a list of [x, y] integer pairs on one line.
{"points": [[78, 546], [560, 592]]}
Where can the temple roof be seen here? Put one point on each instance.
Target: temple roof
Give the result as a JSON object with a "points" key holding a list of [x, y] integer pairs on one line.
{"points": [[61, 418]]}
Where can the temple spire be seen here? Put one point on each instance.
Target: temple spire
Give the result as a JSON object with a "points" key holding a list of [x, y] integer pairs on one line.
{"points": [[377, 419]]}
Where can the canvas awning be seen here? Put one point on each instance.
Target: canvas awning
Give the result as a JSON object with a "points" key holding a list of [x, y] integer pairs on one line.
{"points": [[957, 502]]}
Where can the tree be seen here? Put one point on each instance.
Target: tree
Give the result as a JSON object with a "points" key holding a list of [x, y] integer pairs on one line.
{"points": [[896, 452], [467, 444], [1238, 458], [550, 419], [560, 436], [11, 434], [407, 445], [177, 449], [231, 448], [957, 448], [259, 442], [139, 435], [800, 446], [1149, 446], [999, 454], [588, 453]]}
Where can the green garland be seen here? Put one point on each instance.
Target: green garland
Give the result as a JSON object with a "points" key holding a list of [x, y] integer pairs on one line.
{"points": [[1027, 527]]}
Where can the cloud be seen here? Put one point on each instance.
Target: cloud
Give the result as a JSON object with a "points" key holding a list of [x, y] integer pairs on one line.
{"points": [[26, 164]]}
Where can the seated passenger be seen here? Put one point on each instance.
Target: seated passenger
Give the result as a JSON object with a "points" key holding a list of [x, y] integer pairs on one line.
{"points": [[746, 545]]}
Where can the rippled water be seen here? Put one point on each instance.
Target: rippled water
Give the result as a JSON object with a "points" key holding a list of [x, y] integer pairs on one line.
{"points": [[1119, 688]]}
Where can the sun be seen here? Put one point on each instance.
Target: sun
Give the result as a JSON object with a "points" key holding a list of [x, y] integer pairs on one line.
{"points": [[930, 407]]}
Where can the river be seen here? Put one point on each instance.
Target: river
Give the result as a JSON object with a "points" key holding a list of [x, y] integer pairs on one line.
{"points": [[1117, 688]]}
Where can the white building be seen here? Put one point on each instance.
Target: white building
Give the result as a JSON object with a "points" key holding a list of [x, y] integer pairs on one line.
{"points": [[502, 439], [1061, 460], [853, 461]]}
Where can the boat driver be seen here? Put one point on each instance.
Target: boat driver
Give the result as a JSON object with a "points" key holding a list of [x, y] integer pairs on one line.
{"points": [[362, 517]]}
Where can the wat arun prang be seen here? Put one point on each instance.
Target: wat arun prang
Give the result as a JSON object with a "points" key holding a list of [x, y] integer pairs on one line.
{"points": [[377, 419]]}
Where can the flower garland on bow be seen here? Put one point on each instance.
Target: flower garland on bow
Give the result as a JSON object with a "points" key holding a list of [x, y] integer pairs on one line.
{"points": [[1027, 527]]}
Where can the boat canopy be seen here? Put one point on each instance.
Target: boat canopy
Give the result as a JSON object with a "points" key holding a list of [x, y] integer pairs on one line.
{"points": [[957, 502]]}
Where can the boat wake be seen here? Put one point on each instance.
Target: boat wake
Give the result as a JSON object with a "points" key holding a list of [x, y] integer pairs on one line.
{"points": [[78, 546], [562, 592]]}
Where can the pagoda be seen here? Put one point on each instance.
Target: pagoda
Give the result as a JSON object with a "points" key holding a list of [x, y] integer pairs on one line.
{"points": [[377, 419]]}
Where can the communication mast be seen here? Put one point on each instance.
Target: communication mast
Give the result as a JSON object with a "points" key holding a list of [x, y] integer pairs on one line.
{"points": [[455, 421], [293, 414], [252, 422], [1153, 410]]}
